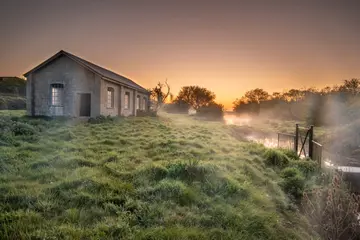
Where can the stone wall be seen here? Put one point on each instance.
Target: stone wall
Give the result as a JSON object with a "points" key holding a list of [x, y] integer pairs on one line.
{"points": [[104, 110], [75, 78]]}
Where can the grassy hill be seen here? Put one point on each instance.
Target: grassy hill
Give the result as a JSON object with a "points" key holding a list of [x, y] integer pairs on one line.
{"points": [[138, 178], [13, 85], [12, 93]]}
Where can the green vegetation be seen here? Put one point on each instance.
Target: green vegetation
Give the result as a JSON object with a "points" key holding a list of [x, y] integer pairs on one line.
{"points": [[13, 85], [138, 178], [12, 102], [12, 93]]}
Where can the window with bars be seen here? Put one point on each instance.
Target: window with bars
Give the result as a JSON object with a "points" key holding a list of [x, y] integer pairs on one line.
{"points": [[137, 102], [127, 100], [110, 98], [57, 94]]}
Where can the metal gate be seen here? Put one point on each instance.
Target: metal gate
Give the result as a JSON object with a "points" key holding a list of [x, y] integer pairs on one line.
{"points": [[302, 142], [303, 139]]}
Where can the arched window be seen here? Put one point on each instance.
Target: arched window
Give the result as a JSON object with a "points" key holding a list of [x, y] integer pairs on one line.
{"points": [[110, 97], [57, 94]]}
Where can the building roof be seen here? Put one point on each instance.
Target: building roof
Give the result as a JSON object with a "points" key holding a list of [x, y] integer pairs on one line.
{"points": [[92, 67]]}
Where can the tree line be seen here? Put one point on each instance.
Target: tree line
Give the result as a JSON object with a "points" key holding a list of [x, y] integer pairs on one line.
{"points": [[198, 98], [310, 104]]}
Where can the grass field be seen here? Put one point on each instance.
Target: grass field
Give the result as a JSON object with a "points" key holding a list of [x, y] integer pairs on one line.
{"points": [[138, 178]]}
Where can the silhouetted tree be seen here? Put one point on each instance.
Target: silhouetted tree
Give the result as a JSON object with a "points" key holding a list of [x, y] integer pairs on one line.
{"points": [[276, 96], [293, 95], [351, 86], [250, 102], [256, 95], [196, 96]]}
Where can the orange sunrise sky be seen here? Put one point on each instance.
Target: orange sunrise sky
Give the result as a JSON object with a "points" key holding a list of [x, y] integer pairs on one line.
{"points": [[228, 47]]}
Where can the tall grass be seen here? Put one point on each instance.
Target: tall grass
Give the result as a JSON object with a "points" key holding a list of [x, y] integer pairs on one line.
{"points": [[138, 178]]}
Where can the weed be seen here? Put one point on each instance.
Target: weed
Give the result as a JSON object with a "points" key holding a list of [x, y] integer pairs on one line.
{"points": [[333, 210]]}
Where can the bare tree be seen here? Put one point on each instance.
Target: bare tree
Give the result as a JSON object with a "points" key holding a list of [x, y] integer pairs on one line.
{"points": [[158, 95]]}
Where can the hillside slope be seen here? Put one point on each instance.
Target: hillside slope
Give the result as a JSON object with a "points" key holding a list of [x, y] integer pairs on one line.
{"points": [[12, 93], [138, 178]]}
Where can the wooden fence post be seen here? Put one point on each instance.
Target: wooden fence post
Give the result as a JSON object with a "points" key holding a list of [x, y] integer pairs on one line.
{"points": [[311, 137], [296, 142]]}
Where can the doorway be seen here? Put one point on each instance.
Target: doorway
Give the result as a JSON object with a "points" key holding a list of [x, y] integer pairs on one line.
{"points": [[85, 104]]}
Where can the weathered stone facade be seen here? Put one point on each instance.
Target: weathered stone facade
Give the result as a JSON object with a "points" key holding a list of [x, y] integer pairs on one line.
{"points": [[77, 80]]}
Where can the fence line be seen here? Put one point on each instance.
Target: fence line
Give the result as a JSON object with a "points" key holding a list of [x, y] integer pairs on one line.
{"points": [[317, 152], [286, 141]]}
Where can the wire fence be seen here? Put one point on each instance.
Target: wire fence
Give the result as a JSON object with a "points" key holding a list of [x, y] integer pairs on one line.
{"points": [[317, 152], [302, 143], [286, 141]]}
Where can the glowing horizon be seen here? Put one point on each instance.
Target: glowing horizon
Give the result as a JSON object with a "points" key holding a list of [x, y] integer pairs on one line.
{"points": [[228, 47]]}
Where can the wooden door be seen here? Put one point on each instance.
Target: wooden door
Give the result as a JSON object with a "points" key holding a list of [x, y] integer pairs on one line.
{"points": [[85, 104]]}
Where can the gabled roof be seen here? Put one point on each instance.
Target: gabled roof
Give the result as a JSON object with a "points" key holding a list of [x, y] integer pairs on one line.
{"points": [[92, 67]]}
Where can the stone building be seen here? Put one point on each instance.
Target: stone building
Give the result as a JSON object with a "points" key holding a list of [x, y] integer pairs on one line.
{"points": [[66, 85]]}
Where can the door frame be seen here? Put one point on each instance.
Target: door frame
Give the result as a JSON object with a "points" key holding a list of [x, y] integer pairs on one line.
{"points": [[78, 108]]}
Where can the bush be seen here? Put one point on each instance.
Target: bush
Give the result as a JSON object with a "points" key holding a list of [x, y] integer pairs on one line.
{"points": [[178, 106], [277, 158], [293, 182], [19, 128], [307, 166], [16, 128], [212, 111], [290, 153]]}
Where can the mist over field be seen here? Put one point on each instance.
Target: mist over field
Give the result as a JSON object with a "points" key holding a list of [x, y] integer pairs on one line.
{"points": [[179, 120]]}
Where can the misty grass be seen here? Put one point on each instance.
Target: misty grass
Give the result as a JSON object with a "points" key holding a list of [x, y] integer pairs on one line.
{"points": [[141, 178]]}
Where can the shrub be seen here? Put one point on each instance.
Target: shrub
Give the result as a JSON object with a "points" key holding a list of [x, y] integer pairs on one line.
{"points": [[178, 106], [307, 166], [23, 129], [16, 128], [290, 153], [333, 210], [293, 182], [213, 111], [274, 157]]}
